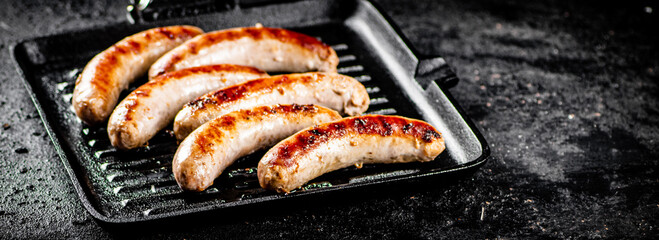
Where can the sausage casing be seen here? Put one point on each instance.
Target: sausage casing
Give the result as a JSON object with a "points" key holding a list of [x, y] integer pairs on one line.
{"points": [[317, 150]]}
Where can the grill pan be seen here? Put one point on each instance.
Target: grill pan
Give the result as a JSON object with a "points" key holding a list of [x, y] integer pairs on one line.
{"points": [[137, 186]]}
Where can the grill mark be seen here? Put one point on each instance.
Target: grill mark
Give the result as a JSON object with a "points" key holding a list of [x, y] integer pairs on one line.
{"points": [[144, 92], [407, 127], [175, 58], [133, 46], [308, 42], [296, 108], [206, 141], [191, 32], [165, 32], [131, 104], [192, 47], [103, 74], [231, 94], [132, 101], [119, 49], [385, 126]]}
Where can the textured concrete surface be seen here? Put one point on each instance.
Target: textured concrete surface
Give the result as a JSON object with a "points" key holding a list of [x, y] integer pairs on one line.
{"points": [[567, 96]]}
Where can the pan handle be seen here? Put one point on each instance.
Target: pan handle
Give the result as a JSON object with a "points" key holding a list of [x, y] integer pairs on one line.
{"points": [[434, 69], [152, 10]]}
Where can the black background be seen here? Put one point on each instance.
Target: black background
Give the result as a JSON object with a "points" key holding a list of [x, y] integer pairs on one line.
{"points": [[566, 93]]}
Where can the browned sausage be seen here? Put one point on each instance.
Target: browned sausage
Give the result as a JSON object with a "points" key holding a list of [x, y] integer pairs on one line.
{"points": [[334, 145], [270, 49], [111, 71]]}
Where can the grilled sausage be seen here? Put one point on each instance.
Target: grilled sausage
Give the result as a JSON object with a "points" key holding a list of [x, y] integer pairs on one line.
{"points": [[334, 145], [332, 90], [270, 49], [98, 87], [204, 154], [152, 106]]}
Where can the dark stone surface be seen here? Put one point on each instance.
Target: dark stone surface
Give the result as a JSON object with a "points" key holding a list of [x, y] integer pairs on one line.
{"points": [[566, 93]]}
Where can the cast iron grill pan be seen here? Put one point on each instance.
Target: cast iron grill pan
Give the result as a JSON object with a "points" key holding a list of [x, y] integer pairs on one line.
{"points": [[138, 185]]}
